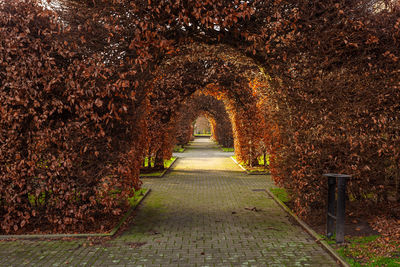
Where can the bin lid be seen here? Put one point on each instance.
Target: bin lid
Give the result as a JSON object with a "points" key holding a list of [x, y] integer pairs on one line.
{"points": [[336, 175]]}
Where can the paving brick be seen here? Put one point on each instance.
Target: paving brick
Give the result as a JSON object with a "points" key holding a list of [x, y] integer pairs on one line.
{"points": [[198, 212]]}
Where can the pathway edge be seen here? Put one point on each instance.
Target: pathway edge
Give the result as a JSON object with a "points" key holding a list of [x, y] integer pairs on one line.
{"points": [[240, 165], [310, 231]]}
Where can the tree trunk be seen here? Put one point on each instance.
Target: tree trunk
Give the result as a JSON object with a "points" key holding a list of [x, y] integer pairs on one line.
{"points": [[158, 161], [398, 191], [397, 183], [149, 160], [254, 162], [265, 158]]}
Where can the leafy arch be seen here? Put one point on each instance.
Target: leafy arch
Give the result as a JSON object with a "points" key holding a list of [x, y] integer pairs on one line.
{"points": [[76, 91], [222, 72]]}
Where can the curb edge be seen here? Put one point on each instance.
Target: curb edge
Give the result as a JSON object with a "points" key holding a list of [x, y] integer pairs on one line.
{"points": [[310, 231], [240, 165]]}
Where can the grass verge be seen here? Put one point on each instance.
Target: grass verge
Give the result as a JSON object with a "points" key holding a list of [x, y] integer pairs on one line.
{"points": [[160, 173], [260, 169], [365, 251], [358, 250], [281, 194], [179, 149], [137, 196]]}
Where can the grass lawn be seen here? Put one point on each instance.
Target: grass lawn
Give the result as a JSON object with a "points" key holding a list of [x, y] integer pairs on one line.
{"points": [[157, 173], [228, 149], [364, 251], [179, 149], [138, 194], [281, 194], [200, 135], [168, 162]]}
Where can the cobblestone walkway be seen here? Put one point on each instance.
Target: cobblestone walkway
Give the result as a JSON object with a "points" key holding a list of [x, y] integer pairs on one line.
{"points": [[198, 215]]}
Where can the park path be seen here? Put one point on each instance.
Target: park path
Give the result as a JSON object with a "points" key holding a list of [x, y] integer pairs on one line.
{"points": [[197, 215]]}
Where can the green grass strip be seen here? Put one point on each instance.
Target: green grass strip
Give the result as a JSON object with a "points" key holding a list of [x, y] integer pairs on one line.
{"points": [[167, 164]]}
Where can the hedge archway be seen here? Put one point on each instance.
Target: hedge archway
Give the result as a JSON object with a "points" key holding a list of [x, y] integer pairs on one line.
{"points": [[77, 90]]}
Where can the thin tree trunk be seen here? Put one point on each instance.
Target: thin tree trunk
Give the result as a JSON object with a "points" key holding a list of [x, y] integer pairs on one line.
{"points": [[149, 157], [254, 161], [265, 158], [159, 161], [398, 184]]}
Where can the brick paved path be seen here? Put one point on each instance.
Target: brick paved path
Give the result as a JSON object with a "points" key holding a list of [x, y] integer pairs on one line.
{"points": [[195, 216]]}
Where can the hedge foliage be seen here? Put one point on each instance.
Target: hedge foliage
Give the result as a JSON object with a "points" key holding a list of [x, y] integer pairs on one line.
{"points": [[89, 87]]}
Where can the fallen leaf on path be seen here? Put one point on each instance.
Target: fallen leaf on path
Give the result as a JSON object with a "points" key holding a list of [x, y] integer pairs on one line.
{"points": [[154, 232], [252, 209]]}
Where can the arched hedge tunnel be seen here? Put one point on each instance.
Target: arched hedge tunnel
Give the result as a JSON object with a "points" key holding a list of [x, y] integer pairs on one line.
{"points": [[89, 87], [200, 72]]}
